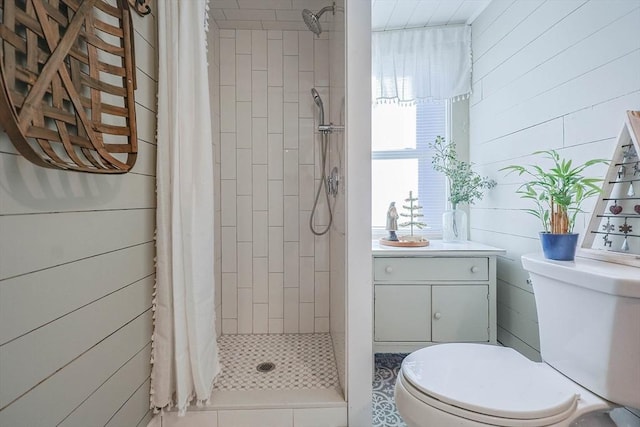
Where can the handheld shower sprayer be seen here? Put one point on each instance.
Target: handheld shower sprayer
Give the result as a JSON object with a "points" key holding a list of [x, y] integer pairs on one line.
{"points": [[330, 185], [322, 126], [318, 101]]}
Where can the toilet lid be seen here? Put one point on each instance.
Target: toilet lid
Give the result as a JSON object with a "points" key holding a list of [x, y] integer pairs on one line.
{"points": [[490, 380]]}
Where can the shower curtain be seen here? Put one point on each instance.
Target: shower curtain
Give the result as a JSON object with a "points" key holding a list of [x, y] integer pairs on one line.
{"points": [[185, 353]]}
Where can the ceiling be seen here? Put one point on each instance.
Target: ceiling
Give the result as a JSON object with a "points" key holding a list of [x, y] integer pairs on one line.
{"points": [[386, 14], [264, 14], [397, 14]]}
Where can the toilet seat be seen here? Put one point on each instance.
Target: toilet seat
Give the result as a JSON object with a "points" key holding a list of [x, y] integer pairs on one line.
{"points": [[424, 401], [489, 384]]}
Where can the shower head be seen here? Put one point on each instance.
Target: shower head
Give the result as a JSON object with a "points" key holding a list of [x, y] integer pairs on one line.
{"points": [[313, 19], [318, 101]]}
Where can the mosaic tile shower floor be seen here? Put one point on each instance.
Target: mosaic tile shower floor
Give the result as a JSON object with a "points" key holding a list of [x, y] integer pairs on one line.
{"points": [[387, 366], [302, 362]]}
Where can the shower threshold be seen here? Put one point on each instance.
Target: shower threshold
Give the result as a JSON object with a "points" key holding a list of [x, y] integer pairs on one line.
{"points": [[262, 399]]}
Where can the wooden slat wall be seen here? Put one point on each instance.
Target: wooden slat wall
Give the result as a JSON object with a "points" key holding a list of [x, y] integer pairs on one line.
{"points": [[76, 277], [547, 75]]}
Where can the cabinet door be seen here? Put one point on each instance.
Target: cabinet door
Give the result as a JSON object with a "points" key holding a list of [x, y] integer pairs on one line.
{"points": [[402, 313], [460, 313]]}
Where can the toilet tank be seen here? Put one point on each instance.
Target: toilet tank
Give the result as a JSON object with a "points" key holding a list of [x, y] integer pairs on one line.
{"points": [[589, 320]]}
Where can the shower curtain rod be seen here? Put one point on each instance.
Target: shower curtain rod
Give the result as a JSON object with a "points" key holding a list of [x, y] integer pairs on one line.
{"points": [[141, 6]]}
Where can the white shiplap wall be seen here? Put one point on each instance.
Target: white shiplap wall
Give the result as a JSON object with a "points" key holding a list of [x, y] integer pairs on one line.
{"points": [[547, 75], [76, 277]]}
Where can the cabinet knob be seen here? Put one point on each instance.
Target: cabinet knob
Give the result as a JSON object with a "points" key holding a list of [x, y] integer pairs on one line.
{"points": [[474, 269], [437, 315], [388, 269]]}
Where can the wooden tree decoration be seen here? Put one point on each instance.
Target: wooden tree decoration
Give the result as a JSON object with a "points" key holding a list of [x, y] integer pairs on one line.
{"points": [[68, 80], [413, 214], [613, 233]]}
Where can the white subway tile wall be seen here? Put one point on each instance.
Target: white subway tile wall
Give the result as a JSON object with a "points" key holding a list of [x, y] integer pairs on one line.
{"points": [[275, 272], [222, 192]]}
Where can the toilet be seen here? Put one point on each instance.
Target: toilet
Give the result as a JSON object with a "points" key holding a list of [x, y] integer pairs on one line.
{"points": [[589, 320]]}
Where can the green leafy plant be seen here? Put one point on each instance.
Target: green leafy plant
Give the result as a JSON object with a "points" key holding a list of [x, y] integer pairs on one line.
{"points": [[465, 185], [558, 192]]}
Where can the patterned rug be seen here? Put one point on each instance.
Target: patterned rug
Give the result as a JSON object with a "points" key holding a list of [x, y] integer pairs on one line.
{"points": [[385, 413]]}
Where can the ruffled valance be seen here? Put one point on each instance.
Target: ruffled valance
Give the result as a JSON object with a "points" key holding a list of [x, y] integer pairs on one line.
{"points": [[421, 64]]}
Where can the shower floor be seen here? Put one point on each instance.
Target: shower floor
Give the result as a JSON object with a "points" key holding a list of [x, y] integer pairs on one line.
{"points": [[305, 372], [302, 361]]}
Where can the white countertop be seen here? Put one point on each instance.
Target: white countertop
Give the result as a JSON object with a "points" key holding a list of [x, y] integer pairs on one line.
{"points": [[437, 248]]}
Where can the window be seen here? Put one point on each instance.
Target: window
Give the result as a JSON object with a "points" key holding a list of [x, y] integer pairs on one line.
{"points": [[401, 162]]}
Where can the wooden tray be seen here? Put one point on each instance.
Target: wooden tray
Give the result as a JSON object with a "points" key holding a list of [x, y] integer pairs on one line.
{"points": [[404, 243]]}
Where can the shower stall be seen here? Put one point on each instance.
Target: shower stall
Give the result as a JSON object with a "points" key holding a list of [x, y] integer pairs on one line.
{"points": [[278, 88]]}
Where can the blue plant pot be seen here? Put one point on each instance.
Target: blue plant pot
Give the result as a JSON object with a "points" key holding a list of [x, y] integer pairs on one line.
{"points": [[559, 247]]}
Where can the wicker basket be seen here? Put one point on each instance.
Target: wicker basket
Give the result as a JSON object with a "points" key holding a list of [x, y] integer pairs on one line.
{"points": [[68, 80]]}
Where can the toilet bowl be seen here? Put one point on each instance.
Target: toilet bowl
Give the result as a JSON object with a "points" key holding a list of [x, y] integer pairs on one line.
{"points": [[473, 385], [588, 316]]}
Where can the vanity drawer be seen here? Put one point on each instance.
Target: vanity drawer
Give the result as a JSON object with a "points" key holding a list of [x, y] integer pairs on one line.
{"points": [[430, 269]]}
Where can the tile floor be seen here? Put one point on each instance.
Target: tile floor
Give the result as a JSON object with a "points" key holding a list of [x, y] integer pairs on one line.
{"points": [[302, 361], [385, 413], [302, 391], [308, 361]]}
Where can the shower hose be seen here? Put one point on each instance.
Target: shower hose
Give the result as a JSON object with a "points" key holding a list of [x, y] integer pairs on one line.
{"points": [[322, 185]]}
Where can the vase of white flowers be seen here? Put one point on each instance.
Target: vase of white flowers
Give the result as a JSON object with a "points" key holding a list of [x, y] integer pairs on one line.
{"points": [[465, 186]]}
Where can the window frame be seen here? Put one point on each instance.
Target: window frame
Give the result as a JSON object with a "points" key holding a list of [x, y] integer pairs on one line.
{"points": [[378, 232]]}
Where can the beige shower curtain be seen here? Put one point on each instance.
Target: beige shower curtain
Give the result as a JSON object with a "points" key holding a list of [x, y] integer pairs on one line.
{"points": [[185, 353]]}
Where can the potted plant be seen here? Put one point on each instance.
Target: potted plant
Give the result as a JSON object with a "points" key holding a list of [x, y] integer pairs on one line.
{"points": [[558, 194], [465, 186]]}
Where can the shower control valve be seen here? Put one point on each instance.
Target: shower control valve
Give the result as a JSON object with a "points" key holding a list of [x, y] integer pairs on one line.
{"points": [[333, 181]]}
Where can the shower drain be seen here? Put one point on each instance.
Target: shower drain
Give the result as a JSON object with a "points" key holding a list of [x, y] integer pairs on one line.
{"points": [[266, 367]]}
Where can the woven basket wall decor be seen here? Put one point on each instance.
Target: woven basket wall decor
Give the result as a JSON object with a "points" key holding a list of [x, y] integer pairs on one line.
{"points": [[68, 80]]}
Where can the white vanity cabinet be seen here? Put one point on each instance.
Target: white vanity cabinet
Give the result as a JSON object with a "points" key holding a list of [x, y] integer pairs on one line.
{"points": [[440, 293]]}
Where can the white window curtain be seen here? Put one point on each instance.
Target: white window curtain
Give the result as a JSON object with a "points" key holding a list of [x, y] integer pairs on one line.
{"points": [[421, 64], [185, 352]]}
